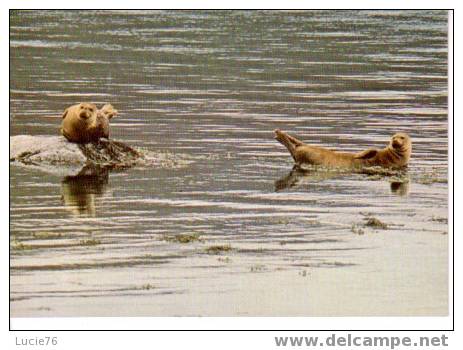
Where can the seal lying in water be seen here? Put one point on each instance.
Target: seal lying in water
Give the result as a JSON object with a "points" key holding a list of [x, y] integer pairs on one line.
{"points": [[84, 122], [395, 155]]}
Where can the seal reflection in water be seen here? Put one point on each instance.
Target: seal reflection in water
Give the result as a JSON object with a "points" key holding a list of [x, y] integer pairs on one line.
{"points": [[79, 193], [395, 155], [400, 188], [299, 177], [84, 122]]}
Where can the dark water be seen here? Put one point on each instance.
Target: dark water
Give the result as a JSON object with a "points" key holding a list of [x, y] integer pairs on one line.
{"points": [[209, 88]]}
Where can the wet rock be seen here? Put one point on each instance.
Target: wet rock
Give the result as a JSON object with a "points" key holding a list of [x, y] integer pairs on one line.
{"points": [[54, 154]]}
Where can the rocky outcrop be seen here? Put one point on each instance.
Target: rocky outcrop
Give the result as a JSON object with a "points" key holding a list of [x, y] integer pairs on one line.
{"points": [[56, 155]]}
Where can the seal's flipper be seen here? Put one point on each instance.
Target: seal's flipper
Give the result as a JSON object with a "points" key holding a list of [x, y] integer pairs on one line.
{"points": [[283, 138], [67, 136], [295, 141], [369, 153]]}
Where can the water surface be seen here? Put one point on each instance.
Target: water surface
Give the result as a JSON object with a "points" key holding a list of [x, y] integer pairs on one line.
{"points": [[210, 87]]}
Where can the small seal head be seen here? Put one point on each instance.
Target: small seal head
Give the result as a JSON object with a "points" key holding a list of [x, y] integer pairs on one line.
{"points": [[108, 111]]}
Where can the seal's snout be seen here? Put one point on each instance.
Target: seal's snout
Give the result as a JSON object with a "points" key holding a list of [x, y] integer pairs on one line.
{"points": [[397, 142], [84, 114]]}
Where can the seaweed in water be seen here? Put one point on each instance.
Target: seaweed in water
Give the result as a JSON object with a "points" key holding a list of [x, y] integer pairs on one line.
{"points": [[183, 238], [216, 249], [357, 230], [90, 242], [375, 223]]}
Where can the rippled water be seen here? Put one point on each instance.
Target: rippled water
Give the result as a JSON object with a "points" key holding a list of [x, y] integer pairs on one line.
{"points": [[210, 87]]}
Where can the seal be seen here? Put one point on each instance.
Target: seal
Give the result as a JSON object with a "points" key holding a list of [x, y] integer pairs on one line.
{"points": [[84, 122], [395, 155]]}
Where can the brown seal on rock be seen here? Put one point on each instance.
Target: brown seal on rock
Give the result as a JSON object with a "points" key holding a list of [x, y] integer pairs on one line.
{"points": [[395, 155], [84, 122]]}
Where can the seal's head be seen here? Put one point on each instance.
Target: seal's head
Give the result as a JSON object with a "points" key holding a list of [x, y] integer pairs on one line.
{"points": [[108, 111], [86, 110], [401, 143], [400, 147]]}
